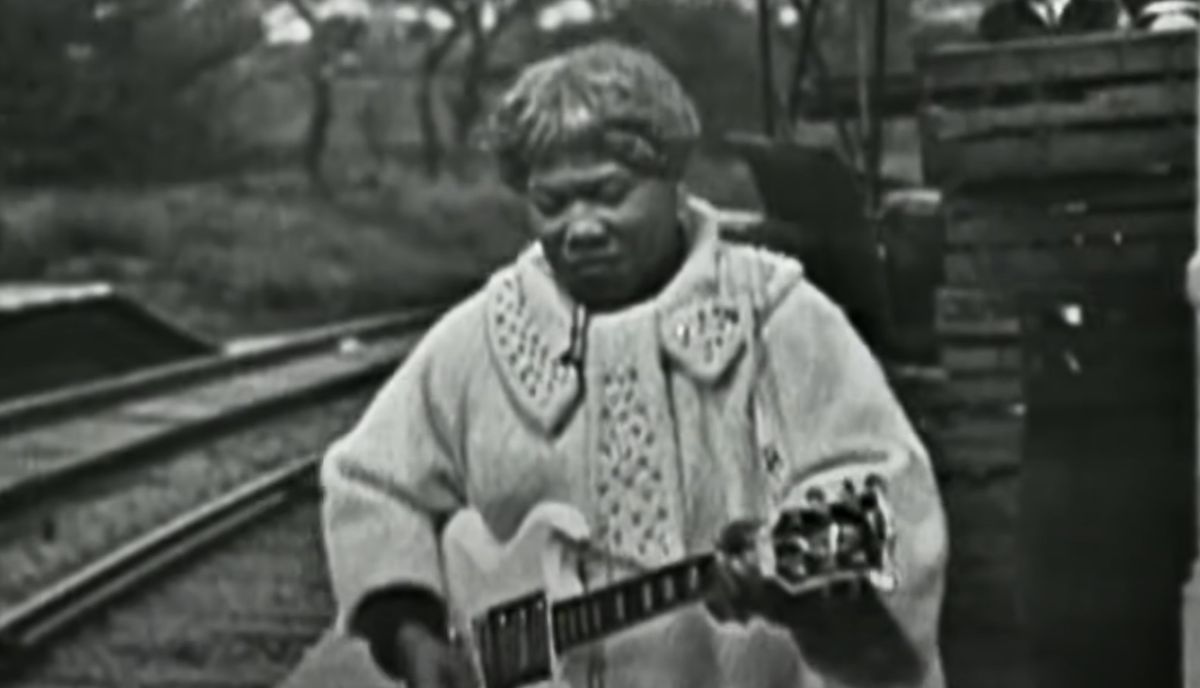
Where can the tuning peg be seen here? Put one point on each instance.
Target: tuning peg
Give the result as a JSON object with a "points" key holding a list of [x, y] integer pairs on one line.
{"points": [[849, 488], [816, 496], [874, 483]]}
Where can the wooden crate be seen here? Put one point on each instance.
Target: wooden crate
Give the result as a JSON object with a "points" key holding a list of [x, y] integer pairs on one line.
{"points": [[1131, 353], [1041, 109], [1074, 288], [976, 432], [1138, 239], [1069, 200], [979, 350]]}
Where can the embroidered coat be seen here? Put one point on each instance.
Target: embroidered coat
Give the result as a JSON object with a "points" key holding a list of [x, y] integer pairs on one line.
{"points": [[736, 389]]}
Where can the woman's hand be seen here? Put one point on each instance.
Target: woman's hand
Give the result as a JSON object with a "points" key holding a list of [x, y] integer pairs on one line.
{"points": [[431, 662], [739, 590]]}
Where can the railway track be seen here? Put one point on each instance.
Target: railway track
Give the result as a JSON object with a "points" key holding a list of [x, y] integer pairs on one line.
{"points": [[85, 471], [50, 540], [228, 594], [62, 437]]}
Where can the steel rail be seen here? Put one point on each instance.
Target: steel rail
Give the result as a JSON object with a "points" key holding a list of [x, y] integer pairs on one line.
{"points": [[65, 473], [28, 628], [56, 404]]}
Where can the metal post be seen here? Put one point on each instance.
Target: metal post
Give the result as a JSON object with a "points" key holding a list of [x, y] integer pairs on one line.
{"points": [[875, 133], [1191, 591], [766, 66]]}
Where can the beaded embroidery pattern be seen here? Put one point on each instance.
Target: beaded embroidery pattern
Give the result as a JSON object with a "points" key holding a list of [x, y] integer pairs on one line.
{"points": [[633, 498], [705, 335], [537, 374]]}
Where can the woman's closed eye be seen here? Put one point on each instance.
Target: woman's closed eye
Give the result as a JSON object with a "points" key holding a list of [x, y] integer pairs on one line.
{"points": [[547, 203], [612, 191]]}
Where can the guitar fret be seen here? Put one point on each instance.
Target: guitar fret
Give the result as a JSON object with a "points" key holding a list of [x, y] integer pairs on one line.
{"points": [[572, 627], [513, 643], [694, 578], [522, 640], [540, 629], [506, 642], [580, 620]]}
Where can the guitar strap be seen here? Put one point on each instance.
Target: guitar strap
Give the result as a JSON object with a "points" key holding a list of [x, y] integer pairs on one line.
{"points": [[767, 435], [763, 398]]}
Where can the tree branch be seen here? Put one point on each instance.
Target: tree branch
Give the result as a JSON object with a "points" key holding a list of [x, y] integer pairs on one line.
{"points": [[306, 13]]}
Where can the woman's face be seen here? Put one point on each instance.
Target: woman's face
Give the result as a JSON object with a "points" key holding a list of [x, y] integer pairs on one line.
{"points": [[611, 235]]}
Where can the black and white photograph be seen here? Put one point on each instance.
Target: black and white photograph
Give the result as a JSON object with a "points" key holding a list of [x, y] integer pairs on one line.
{"points": [[599, 344]]}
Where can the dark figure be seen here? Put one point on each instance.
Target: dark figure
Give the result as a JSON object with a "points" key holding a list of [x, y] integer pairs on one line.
{"points": [[1164, 15], [1015, 19]]}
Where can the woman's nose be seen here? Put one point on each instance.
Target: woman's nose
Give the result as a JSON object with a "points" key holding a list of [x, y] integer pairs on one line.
{"points": [[584, 236]]}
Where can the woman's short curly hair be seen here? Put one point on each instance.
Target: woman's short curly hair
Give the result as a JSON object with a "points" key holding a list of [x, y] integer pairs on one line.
{"points": [[604, 97]]}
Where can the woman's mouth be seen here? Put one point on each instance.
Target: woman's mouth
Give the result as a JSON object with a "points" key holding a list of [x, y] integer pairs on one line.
{"points": [[593, 265]]}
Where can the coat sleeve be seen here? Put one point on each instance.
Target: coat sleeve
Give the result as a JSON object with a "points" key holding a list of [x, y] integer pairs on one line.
{"points": [[836, 419], [397, 475]]}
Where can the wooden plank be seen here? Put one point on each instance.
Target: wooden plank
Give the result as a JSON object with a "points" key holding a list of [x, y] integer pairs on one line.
{"points": [[1065, 153], [1147, 350], [980, 459], [1066, 379], [964, 359], [1019, 226], [1159, 263], [997, 391], [1165, 101], [1115, 193], [1002, 430], [975, 507], [965, 313], [975, 313], [978, 445], [1155, 325], [1057, 59]]}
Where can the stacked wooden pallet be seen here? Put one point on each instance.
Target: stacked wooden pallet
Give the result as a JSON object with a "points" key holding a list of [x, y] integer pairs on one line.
{"points": [[1069, 195]]}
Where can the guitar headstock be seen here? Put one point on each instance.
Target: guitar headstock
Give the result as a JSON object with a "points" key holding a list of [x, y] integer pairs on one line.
{"points": [[836, 537], [841, 536]]}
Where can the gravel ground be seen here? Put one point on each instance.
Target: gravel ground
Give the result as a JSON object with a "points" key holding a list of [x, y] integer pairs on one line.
{"points": [[70, 529], [240, 617]]}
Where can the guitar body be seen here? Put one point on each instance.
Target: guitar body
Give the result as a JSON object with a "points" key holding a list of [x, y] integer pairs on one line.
{"points": [[483, 573], [543, 609]]}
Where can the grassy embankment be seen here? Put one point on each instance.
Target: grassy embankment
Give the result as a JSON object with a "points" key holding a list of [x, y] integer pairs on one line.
{"points": [[235, 257]]}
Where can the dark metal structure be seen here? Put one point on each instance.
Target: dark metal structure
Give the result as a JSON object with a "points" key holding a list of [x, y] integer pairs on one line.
{"points": [[860, 236]]}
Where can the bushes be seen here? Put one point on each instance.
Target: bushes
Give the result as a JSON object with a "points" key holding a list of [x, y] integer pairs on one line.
{"points": [[229, 262], [116, 90]]}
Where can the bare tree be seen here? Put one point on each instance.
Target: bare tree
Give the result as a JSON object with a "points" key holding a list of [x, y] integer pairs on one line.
{"points": [[469, 103], [332, 39], [467, 96], [432, 149]]}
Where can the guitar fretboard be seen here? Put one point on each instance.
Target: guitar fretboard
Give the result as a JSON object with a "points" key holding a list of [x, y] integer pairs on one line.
{"points": [[594, 615], [513, 642]]}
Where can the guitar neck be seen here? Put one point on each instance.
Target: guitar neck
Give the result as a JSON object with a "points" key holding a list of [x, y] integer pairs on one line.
{"points": [[811, 548], [594, 615]]}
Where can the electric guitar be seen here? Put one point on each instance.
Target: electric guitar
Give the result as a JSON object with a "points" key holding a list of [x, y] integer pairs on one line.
{"points": [[519, 606]]}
